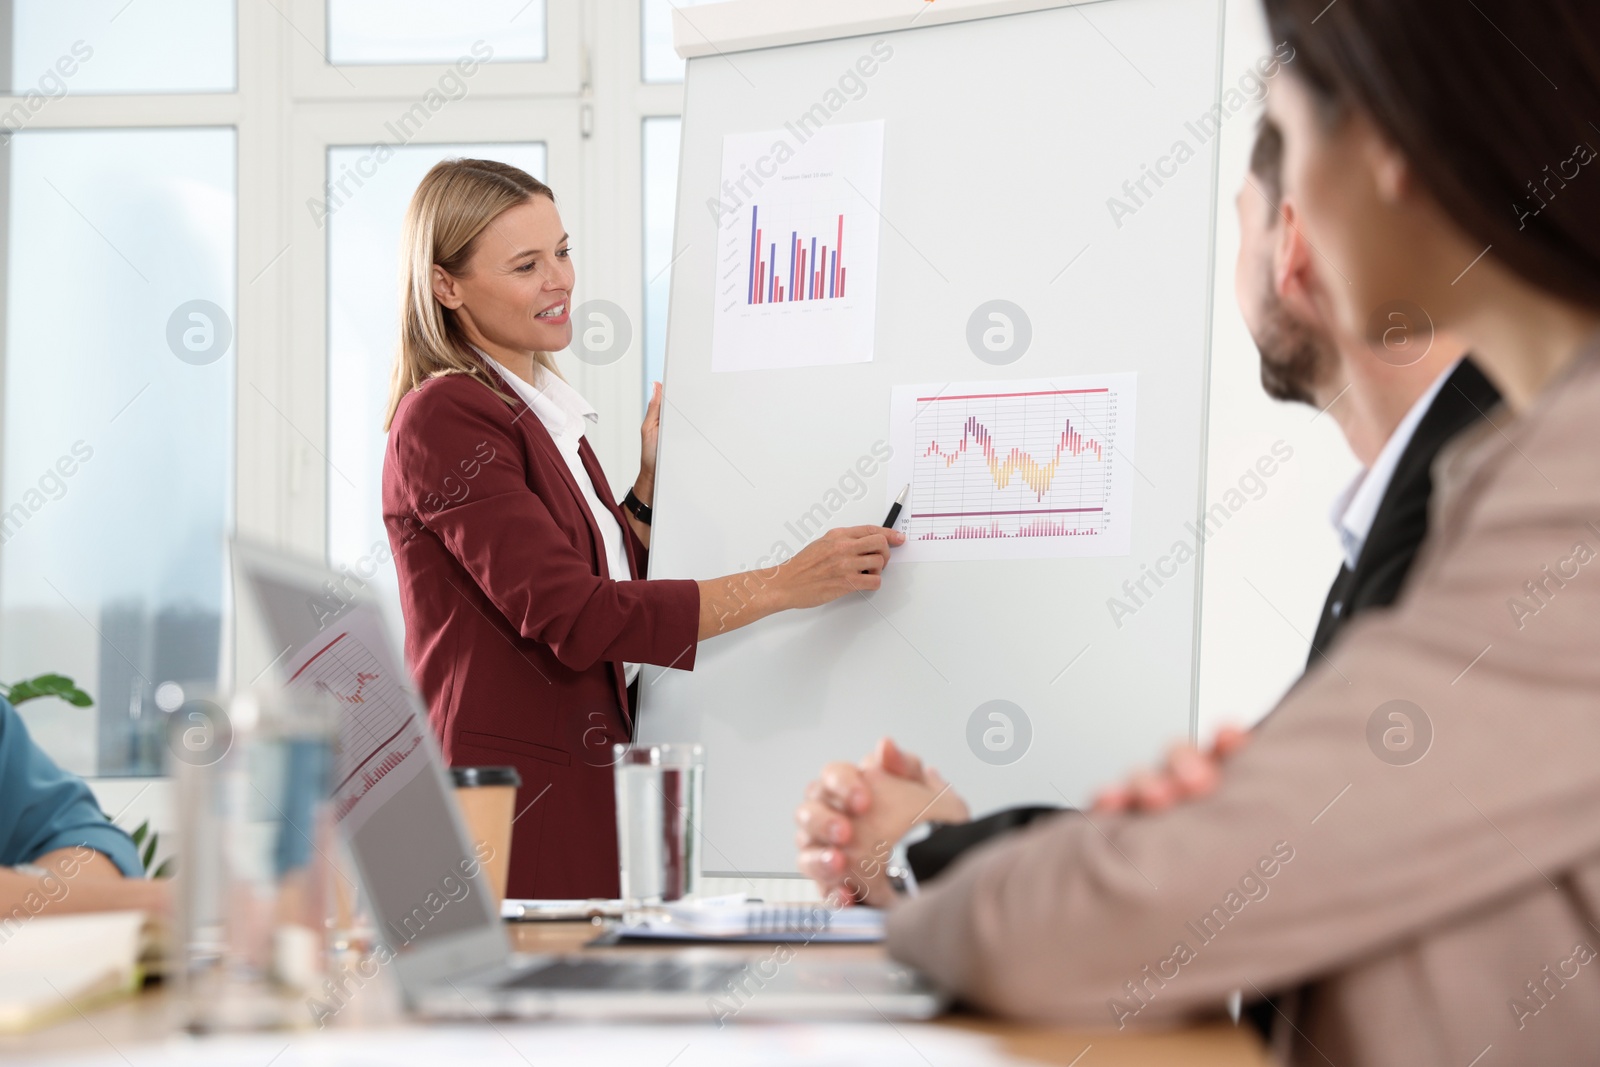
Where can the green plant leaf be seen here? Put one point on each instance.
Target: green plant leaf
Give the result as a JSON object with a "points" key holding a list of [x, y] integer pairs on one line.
{"points": [[138, 835], [166, 869], [150, 850], [49, 685]]}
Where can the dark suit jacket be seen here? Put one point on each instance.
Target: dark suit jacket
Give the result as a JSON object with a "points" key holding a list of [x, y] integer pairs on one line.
{"points": [[1398, 530], [1401, 523], [515, 631]]}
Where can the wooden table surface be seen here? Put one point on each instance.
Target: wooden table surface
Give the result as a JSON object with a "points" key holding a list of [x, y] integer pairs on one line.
{"points": [[148, 1018]]}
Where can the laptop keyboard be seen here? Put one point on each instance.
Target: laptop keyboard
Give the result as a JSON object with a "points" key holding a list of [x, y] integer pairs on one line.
{"points": [[631, 976]]}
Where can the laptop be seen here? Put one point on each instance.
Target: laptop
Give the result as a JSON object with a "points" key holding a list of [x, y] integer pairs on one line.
{"points": [[326, 633]]}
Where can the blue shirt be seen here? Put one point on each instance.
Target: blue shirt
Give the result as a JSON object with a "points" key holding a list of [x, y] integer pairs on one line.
{"points": [[43, 808]]}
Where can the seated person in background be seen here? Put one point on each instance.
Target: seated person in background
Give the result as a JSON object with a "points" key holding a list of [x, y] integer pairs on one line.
{"points": [[58, 852], [1396, 412]]}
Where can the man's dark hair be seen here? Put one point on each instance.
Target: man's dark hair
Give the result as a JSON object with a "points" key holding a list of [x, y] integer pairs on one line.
{"points": [[1266, 161], [1480, 119]]}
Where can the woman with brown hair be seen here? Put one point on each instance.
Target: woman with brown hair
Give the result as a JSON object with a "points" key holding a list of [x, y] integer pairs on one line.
{"points": [[521, 576], [1406, 857]]}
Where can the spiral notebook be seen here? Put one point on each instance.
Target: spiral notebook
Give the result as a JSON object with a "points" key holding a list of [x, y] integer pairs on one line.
{"points": [[736, 918]]}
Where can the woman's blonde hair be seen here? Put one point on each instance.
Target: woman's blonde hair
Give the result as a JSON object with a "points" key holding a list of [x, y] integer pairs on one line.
{"points": [[454, 204]]}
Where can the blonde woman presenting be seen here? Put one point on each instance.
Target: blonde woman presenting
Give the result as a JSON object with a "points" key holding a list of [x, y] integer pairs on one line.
{"points": [[521, 572]]}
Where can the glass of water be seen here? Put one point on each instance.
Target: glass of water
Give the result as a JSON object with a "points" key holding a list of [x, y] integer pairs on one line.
{"points": [[659, 800], [253, 773]]}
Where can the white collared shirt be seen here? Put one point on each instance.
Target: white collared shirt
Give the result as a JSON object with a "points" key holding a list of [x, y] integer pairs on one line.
{"points": [[1355, 509], [566, 414]]}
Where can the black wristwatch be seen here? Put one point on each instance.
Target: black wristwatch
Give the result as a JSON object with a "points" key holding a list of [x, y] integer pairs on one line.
{"points": [[636, 507]]}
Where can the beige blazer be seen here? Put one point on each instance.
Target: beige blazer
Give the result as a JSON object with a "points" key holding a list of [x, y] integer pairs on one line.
{"points": [[1436, 909]]}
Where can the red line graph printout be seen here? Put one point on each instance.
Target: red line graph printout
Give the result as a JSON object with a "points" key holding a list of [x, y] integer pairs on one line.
{"points": [[1014, 470], [380, 733]]}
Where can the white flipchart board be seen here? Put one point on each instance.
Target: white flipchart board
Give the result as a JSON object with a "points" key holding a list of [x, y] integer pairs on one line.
{"points": [[1009, 127]]}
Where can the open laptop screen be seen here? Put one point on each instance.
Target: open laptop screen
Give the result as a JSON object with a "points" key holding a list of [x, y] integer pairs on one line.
{"points": [[391, 796]]}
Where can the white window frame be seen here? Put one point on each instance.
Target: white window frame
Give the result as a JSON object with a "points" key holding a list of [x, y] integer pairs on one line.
{"points": [[315, 78], [587, 104]]}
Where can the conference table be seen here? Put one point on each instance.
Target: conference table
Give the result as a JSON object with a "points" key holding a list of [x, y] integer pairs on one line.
{"points": [[133, 1030]]}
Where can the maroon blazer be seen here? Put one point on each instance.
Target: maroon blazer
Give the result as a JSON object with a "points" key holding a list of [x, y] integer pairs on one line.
{"points": [[515, 631]]}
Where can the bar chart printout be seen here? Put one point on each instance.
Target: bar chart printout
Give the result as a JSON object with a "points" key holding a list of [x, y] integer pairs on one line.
{"points": [[797, 248], [1018, 469], [819, 277]]}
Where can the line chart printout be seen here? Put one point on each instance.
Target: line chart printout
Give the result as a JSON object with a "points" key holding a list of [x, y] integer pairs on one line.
{"points": [[380, 732], [1014, 469], [797, 247]]}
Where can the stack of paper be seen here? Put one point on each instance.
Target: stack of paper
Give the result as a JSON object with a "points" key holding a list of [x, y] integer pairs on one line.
{"points": [[53, 966]]}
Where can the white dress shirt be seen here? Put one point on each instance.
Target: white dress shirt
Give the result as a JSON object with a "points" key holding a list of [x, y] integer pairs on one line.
{"points": [[565, 413], [1357, 507]]}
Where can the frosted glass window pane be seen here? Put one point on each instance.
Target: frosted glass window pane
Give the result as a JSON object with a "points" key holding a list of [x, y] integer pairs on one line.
{"points": [[114, 46], [660, 62], [117, 483], [660, 202], [364, 331], [427, 31]]}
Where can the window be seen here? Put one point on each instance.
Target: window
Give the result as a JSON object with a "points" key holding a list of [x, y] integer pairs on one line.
{"points": [[427, 31], [118, 438], [113, 46], [660, 205], [117, 454], [660, 61]]}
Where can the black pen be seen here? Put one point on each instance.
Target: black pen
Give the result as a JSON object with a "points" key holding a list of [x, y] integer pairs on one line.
{"points": [[894, 509]]}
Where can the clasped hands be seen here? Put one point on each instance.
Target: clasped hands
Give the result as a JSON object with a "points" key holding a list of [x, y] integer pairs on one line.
{"points": [[854, 814]]}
